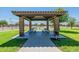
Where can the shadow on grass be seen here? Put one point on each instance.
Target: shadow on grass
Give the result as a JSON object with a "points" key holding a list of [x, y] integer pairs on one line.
{"points": [[73, 32], [14, 43], [66, 42], [75, 28]]}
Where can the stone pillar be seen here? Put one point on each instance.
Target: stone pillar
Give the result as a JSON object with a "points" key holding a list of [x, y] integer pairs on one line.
{"points": [[30, 25], [21, 26], [56, 25], [48, 25]]}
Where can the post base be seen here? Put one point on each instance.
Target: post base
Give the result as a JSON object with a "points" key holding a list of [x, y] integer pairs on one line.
{"points": [[56, 33]]}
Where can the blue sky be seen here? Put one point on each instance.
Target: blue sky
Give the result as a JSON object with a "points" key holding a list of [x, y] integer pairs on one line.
{"points": [[5, 12]]}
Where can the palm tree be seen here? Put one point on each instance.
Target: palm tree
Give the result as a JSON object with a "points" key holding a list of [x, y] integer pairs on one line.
{"points": [[71, 22]]}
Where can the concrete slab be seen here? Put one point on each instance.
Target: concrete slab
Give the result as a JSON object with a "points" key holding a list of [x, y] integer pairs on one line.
{"points": [[39, 49], [39, 42], [51, 35]]}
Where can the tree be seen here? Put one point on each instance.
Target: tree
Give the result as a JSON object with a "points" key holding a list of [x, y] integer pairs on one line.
{"points": [[64, 17], [35, 24], [59, 9], [42, 24], [17, 23], [3, 22], [71, 21]]}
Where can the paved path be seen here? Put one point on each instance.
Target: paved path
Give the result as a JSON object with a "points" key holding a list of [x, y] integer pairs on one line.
{"points": [[39, 42]]}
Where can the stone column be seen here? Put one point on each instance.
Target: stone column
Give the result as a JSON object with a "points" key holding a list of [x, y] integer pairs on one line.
{"points": [[30, 24], [56, 25], [48, 25], [21, 26]]}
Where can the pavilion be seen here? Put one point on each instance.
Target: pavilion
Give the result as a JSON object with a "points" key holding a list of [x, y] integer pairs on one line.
{"points": [[38, 15]]}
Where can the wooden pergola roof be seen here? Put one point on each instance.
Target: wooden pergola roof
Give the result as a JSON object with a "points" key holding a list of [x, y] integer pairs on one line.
{"points": [[38, 13]]}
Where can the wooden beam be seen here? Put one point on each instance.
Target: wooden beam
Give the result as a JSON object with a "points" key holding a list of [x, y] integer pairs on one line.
{"points": [[48, 25], [30, 24], [21, 26], [56, 25]]}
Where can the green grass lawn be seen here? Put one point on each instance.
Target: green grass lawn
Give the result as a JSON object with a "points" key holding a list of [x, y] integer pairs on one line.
{"points": [[5, 36], [10, 45], [71, 42]]}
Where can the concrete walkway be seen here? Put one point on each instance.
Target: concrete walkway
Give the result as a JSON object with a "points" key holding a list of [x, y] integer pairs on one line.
{"points": [[39, 42]]}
